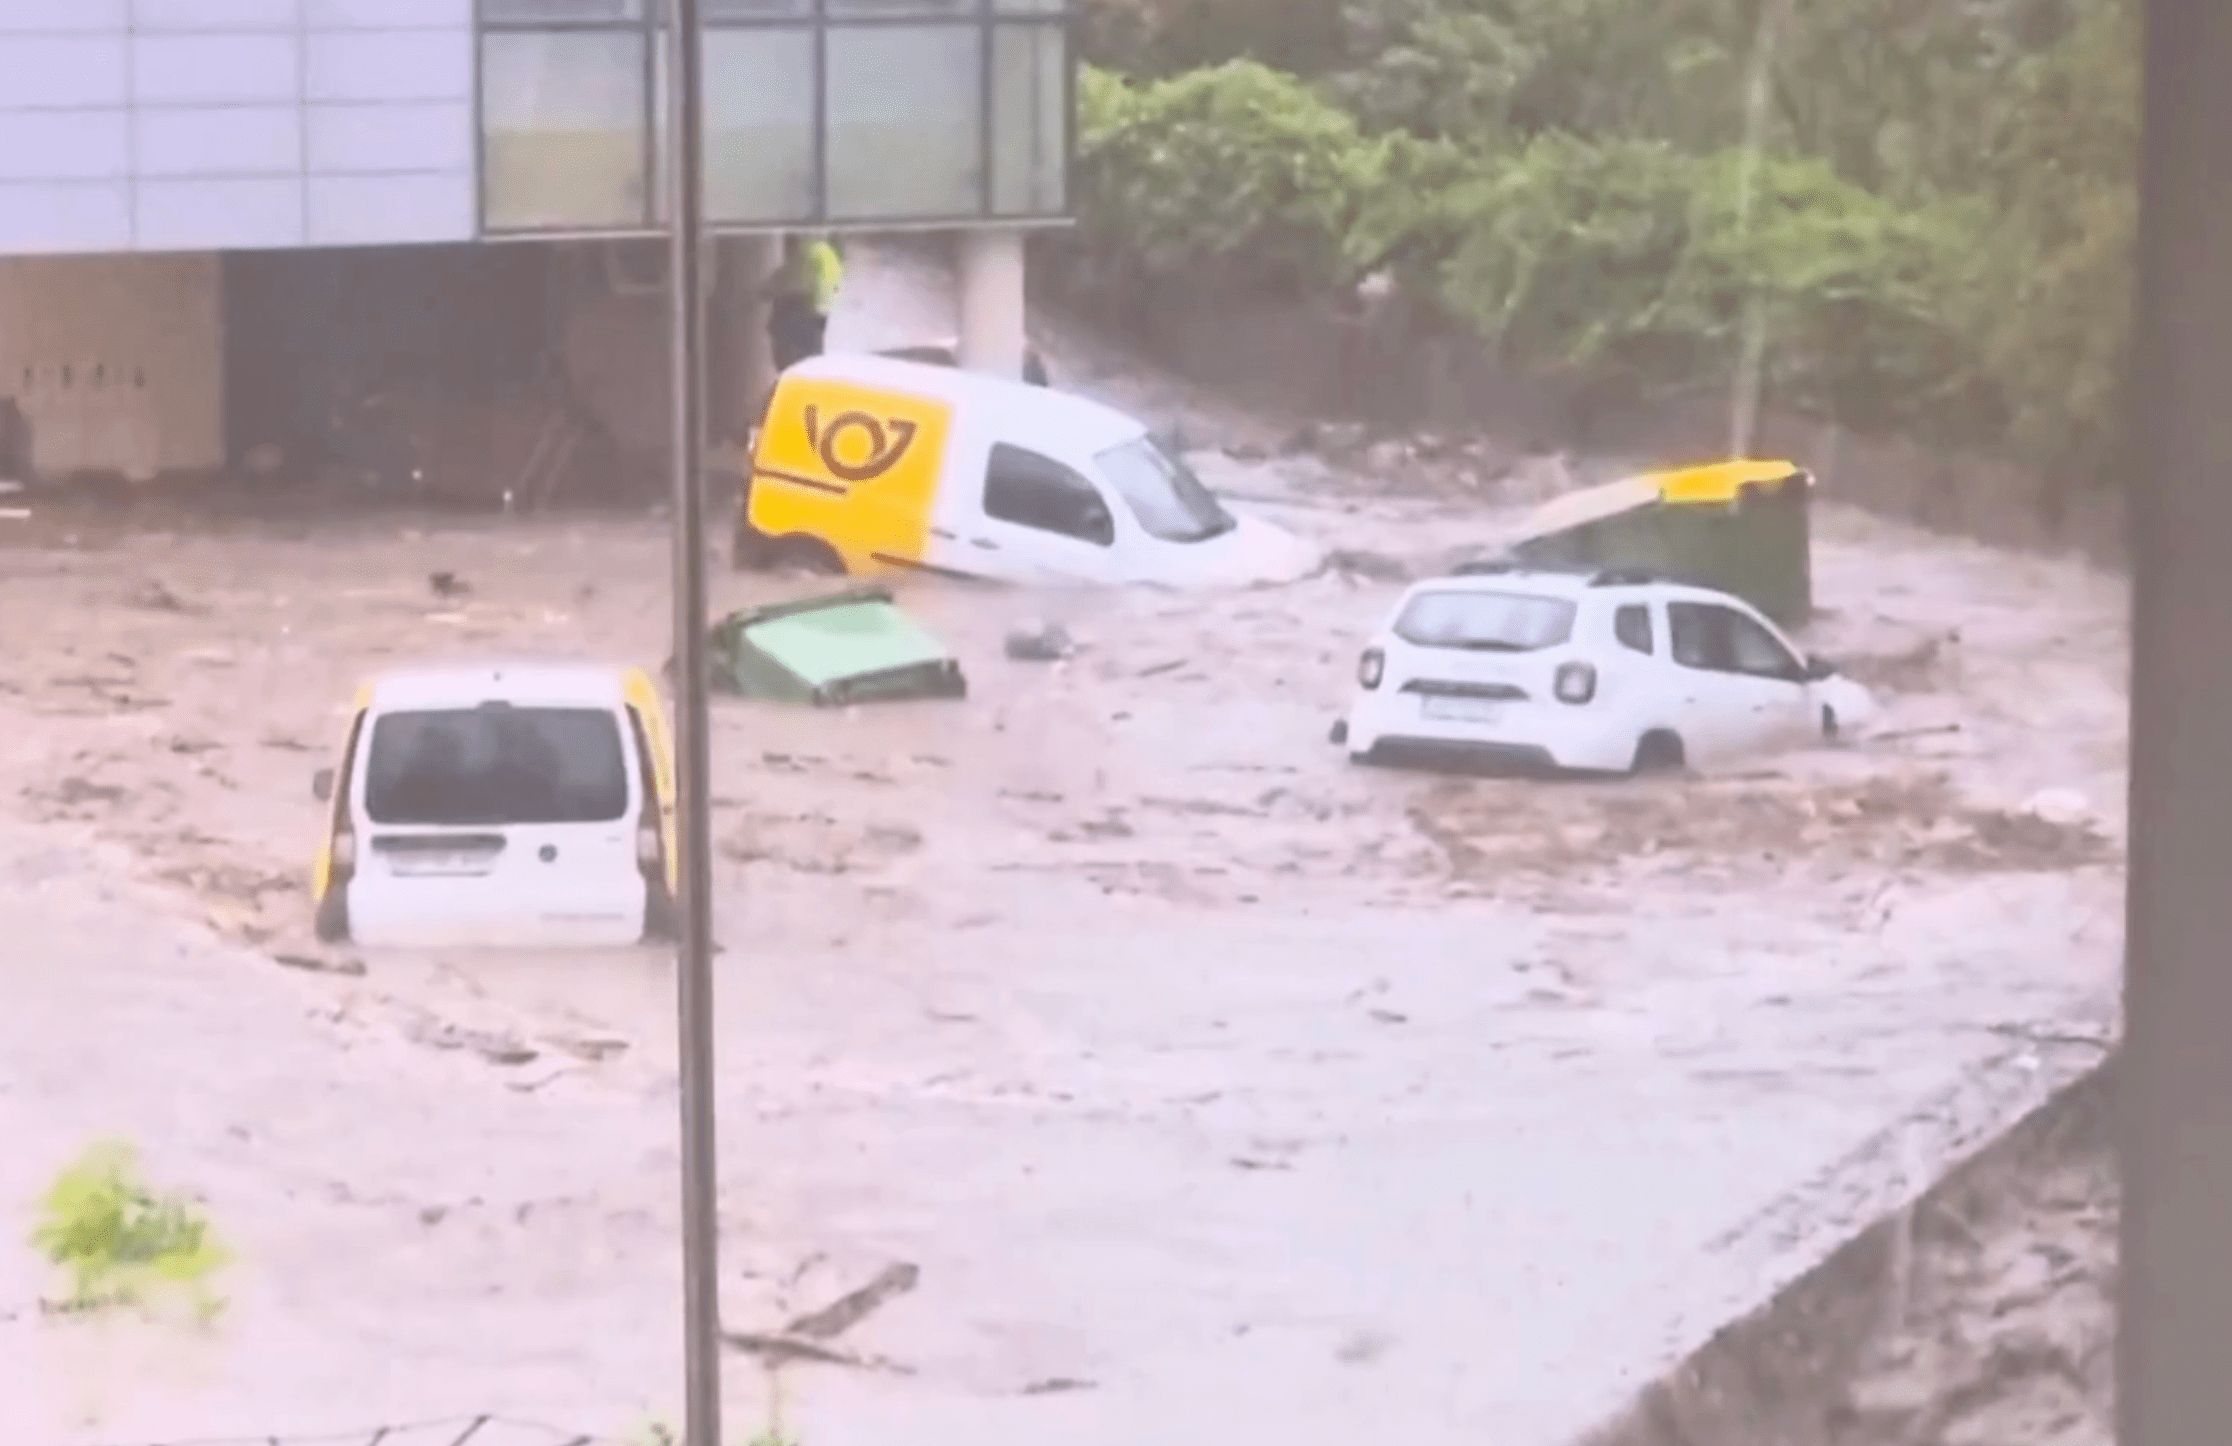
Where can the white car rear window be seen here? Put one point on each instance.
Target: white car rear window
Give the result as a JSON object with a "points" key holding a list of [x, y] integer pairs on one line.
{"points": [[1488, 622], [491, 766]]}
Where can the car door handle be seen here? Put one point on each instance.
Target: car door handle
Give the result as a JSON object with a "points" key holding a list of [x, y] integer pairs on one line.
{"points": [[986, 543]]}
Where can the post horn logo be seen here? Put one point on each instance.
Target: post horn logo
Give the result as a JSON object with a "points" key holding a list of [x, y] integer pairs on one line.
{"points": [[888, 442]]}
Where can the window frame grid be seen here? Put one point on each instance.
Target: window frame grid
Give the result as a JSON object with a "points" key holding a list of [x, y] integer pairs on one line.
{"points": [[988, 16]]}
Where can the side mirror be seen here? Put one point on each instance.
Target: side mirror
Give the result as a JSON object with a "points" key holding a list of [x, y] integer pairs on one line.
{"points": [[321, 785], [1818, 668]]}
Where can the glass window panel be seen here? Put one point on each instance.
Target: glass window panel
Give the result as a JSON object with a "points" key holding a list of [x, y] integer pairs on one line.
{"points": [[564, 12], [716, 10], [759, 125], [856, 9], [562, 123], [905, 110], [1030, 119], [1031, 7]]}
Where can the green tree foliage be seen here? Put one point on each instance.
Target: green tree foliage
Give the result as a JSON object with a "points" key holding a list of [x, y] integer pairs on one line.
{"points": [[2054, 314], [1634, 262], [1238, 177], [1930, 207], [1476, 70]]}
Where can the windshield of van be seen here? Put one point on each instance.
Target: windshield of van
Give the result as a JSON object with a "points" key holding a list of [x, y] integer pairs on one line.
{"points": [[483, 767], [1488, 622], [1163, 493]]}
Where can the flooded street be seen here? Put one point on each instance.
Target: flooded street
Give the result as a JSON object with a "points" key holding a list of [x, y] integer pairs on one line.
{"points": [[1176, 1053], [1208, 1085], [1178, 764]]}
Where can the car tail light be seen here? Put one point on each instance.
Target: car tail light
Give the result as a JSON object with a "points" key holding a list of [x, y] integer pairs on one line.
{"points": [[344, 853], [1371, 667], [1576, 682], [649, 847]]}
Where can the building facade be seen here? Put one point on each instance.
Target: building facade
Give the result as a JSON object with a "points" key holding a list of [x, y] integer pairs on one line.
{"points": [[185, 129], [204, 125]]}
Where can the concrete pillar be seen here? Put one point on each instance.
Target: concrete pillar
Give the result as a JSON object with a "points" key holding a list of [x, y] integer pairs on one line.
{"points": [[994, 322], [759, 257], [743, 367]]}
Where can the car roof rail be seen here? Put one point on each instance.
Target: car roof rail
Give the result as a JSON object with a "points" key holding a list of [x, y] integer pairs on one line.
{"points": [[1625, 577]]}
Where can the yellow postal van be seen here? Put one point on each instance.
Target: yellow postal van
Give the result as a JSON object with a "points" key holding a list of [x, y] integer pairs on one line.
{"points": [[868, 463]]}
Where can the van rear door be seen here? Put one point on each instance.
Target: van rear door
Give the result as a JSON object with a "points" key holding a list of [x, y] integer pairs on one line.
{"points": [[506, 824]]}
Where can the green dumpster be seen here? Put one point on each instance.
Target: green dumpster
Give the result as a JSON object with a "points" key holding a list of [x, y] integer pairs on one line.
{"points": [[832, 652], [1739, 527]]}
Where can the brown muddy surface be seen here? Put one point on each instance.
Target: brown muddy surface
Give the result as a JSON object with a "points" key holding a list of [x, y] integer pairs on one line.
{"points": [[1776, 936], [179, 687], [1214, 1087]]}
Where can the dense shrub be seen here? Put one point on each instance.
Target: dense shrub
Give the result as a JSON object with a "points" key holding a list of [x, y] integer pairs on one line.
{"points": [[1235, 178], [1926, 205]]}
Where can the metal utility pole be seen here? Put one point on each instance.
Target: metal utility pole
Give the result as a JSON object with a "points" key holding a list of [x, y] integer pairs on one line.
{"points": [[701, 1226]]}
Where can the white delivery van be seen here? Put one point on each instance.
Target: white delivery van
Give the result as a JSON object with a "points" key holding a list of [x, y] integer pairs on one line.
{"points": [[503, 805], [866, 463]]}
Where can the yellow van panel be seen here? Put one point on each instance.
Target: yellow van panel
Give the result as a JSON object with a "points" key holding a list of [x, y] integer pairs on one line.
{"points": [[321, 869], [644, 699], [854, 466]]}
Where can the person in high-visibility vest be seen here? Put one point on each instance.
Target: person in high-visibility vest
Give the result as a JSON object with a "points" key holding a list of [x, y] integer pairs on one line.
{"points": [[806, 289], [825, 267]]}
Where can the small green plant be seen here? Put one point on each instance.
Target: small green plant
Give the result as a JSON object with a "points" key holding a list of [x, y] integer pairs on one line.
{"points": [[120, 1242], [658, 1433]]}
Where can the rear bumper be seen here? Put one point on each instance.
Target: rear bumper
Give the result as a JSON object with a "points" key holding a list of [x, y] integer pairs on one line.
{"points": [[1459, 754], [1537, 737], [449, 919]]}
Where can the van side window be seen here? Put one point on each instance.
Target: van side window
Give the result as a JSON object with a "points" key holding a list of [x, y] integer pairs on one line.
{"points": [[1038, 492], [1632, 626]]}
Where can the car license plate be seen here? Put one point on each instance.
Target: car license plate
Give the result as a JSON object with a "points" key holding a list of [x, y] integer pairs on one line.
{"points": [[443, 864], [1464, 710]]}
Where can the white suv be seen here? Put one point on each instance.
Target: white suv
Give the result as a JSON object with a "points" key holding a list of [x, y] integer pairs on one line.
{"points": [[1606, 672]]}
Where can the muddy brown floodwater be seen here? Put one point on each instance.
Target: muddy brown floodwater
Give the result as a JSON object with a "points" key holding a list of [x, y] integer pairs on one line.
{"points": [[170, 688], [174, 690], [1200, 1076]]}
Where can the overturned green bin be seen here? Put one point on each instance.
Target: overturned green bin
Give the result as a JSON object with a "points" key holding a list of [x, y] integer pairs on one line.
{"points": [[832, 652], [1739, 527]]}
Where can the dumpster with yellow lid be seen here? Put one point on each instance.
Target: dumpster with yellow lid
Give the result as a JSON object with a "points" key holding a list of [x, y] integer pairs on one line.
{"points": [[1740, 527]]}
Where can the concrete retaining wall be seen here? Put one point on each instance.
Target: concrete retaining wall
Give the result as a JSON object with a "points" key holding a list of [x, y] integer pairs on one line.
{"points": [[1783, 1376]]}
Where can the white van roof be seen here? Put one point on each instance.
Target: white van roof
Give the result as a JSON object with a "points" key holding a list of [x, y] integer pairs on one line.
{"points": [[467, 685], [1080, 420], [1573, 583]]}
